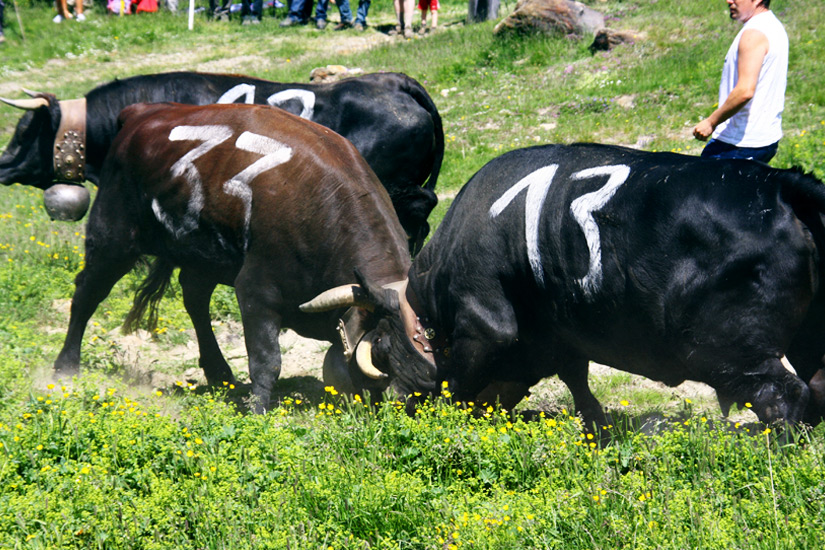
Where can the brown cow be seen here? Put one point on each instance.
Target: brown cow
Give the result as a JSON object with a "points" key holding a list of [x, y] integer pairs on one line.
{"points": [[244, 195]]}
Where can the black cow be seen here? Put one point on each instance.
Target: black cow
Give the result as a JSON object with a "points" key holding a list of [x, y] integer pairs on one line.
{"points": [[389, 117], [668, 266], [244, 195]]}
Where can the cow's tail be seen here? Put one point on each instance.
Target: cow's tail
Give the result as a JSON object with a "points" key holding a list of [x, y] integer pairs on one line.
{"points": [[420, 95], [148, 296]]}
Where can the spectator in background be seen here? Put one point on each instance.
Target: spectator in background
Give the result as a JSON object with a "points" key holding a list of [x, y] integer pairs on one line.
{"points": [[404, 14], [299, 12], [432, 5], [748, 122], [251, 11], [2, 8], [219, 8], [343, 9], [63, 11], [360, 15]]}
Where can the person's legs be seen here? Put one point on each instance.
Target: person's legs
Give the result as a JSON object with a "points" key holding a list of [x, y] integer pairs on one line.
{"points": [[721, 150], [406, 18], [296, 13], [361, 14], [321, 13], [345, 12], [62, 11], [397, 5]]}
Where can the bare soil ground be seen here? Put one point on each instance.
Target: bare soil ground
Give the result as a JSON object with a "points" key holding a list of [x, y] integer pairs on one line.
{"points": [[149, 364]]}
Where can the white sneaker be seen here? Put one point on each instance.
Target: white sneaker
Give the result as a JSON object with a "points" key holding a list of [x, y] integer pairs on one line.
{"points": [[58, 18], [80, 17]]}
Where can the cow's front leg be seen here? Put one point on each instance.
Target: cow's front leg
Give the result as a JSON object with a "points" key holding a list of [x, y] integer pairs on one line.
{"points": [[197, 292], [261, 325], [573, 372], [92, 286]]}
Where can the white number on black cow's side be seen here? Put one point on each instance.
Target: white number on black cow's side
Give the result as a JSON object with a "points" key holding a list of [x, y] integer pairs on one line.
{"points": [[273, 153], [306, 98], [583, 208], [247, 92], [538, 184]]}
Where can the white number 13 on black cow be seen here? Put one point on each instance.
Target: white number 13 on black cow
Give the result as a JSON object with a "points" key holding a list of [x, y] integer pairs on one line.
{"points": [[538, 184]]}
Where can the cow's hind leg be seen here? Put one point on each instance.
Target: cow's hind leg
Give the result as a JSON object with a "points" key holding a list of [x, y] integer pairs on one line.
{"points": [[258, 302], [197, 292]]}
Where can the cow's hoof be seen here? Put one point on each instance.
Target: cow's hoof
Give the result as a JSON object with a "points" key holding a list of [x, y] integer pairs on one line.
{"points": [[65, 372]]}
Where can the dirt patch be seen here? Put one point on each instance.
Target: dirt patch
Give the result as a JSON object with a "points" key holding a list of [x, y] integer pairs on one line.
{"points": [[147, 362]]}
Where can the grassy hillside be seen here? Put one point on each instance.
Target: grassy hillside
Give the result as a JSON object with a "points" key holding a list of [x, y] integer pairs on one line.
{"points": [[102, 462]]}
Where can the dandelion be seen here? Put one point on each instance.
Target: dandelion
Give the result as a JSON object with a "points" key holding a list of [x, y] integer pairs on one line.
{"points": [[748, 405]]}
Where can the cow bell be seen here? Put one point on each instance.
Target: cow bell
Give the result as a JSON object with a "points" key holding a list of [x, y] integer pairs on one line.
{"points": [[66, 202]]}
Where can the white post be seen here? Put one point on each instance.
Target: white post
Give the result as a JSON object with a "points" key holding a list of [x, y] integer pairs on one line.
{"points": [[191, 14]]}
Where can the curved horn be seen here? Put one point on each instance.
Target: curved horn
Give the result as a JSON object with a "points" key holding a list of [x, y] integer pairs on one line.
{"points": [[340, 296], [363, 358], [26, 104], [32, 93]]}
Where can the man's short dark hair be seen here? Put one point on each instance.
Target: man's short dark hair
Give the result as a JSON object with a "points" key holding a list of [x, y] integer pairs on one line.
{"points": [[766, 4]]}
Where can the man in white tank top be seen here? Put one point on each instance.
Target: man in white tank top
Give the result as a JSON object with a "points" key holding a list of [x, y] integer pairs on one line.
{"points": [[748, 121]]}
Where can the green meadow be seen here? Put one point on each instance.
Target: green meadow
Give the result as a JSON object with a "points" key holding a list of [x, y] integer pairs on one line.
{"points": [[136, 454]]}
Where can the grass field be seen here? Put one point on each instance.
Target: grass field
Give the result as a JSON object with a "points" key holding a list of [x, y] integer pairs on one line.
{"points": [[104, 462]]}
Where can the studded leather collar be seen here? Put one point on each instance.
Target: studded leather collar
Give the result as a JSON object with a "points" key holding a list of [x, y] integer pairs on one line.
{"points": [[70, 142]]}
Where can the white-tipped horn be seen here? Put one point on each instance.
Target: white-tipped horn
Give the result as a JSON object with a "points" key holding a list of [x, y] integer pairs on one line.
{"points": [[26, 104], [340, 296], [363, 358], [31, 93]]}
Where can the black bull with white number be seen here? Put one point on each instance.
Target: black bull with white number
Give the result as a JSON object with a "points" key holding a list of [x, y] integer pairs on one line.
{"points": [[389, 117], [667, 266], [245, 195]]}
